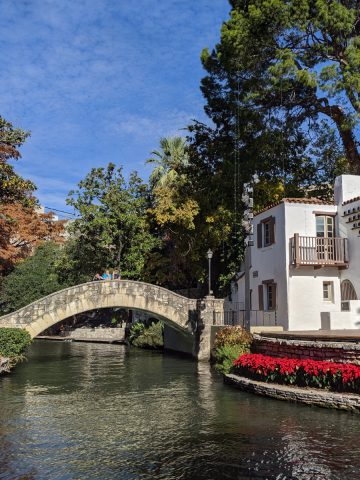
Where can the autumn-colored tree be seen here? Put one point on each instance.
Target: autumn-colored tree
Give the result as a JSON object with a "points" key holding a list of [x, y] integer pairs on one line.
{"points": [[13, 188], [21, 230]]}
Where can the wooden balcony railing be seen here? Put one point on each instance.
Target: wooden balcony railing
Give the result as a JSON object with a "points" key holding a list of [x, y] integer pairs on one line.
{"points": [[318, 251]]}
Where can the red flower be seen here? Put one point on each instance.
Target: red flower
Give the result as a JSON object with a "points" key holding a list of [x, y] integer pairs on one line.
{"points": [[342, 376]]}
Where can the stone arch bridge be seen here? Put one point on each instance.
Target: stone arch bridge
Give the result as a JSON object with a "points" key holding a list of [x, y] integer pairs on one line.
{"points": [[191, 320]]}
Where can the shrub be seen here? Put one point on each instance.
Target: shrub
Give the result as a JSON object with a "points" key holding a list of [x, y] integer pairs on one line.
{"points": [[135, 331], [342, 377], [13, 342], [227, 354], [232, 336], [150, 337], [230, 343]]}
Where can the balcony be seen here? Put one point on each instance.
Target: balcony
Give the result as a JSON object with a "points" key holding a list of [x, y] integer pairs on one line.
{"points": [[318, 251]]}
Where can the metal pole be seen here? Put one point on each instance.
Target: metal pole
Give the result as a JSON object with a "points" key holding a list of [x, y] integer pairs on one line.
{"points": [[247, 287], [210, 276]]}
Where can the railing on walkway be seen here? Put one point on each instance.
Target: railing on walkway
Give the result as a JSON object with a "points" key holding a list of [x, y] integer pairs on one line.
{"points": [[313, 251], [257, 317]]}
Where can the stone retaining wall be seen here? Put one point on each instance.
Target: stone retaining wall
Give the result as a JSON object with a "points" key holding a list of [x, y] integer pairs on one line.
{"points": [[319, 398], [4, 365], [342, 352], [98, 334]]}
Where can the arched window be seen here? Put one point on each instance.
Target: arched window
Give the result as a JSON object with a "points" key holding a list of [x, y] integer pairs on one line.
{"points": [[347, 291]]}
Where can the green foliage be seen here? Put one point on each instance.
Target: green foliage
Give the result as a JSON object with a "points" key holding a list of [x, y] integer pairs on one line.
{"points": [[230, 343], [13, 342], [32, 279], [135, 331], [112, 230], [13, 188], [225, 355], [147, 337], [282, 92], [173, 215], [284, 66], [172, 157]]}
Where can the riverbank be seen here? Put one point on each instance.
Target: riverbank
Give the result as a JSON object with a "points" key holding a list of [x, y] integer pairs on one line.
{"points": [[5, 365], [13, 344], [319, 398]]}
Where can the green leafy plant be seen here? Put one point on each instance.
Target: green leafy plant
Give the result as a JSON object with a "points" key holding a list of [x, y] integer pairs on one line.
{"points": [[135, 331], [147, 337], [230, 343], [227, 354], [13, 342], [34, 278]]}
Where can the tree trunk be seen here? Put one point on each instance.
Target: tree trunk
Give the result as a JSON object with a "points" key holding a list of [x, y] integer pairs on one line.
{"points": [[347, 135]]}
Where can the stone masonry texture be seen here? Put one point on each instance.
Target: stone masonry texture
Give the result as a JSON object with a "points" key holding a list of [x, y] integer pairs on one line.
{"points": [[342, 352]]}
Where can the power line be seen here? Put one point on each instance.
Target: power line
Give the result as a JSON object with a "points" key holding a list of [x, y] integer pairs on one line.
{"points": [[61, 211]]}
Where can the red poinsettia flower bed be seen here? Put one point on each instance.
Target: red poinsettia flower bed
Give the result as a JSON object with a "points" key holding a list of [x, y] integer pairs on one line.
{"points": [[342, 377]]}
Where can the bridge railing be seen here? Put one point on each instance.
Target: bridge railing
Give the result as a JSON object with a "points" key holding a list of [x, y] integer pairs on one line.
{"points": [[59, 298]]}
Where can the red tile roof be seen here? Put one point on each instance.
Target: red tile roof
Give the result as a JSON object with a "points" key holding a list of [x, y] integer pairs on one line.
{"points": [[351, 201], [307, 201]]}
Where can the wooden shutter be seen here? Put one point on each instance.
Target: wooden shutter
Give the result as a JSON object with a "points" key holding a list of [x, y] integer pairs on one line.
{"points": [[272, 230], [261, 297], [274, 296], [259, 235]]}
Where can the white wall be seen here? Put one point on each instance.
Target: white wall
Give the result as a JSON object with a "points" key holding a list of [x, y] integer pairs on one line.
{"points": [[346, 188], [351, 187], [306, 296], [300, 290], [300, 218], [270, 263], [305, 284]]}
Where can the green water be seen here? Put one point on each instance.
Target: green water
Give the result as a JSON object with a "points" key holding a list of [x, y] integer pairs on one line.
{"points": [[92, 411]]}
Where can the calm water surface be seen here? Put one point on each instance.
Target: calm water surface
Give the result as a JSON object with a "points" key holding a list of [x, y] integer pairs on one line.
{"points": [[89, 411]]}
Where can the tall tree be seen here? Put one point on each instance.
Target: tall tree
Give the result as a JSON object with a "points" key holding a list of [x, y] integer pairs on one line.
{"points": [[293, 61], [22, 229], [112, 229], [173, 212], [12, 186], [34, 278], [170, 160], [187, 217]]}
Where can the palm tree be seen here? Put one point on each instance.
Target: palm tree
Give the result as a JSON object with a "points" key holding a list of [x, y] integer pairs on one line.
{"points": [[171, 157]]}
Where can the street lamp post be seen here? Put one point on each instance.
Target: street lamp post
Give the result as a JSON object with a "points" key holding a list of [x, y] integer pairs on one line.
{"points": [[209, 256]]}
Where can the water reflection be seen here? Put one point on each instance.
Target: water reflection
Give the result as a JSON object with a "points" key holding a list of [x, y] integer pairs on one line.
{"points": [[78, 411]]}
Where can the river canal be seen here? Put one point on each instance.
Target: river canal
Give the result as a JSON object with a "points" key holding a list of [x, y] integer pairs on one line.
{"points": [[92, 411]]}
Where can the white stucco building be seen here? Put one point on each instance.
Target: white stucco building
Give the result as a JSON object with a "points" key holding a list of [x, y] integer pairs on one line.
{"points": [[304, 270]]}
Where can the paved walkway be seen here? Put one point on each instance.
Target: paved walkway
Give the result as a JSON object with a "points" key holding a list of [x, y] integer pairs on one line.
{"points": [[320, 335], [59, 338]]}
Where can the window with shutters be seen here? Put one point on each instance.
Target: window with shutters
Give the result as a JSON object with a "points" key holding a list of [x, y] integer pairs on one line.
{"points": [[328, 291], [267, 295], [266, 232], [261, 297], [271, 296]]}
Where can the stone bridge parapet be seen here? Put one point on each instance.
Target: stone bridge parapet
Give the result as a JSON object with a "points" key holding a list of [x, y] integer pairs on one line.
{"points": [[192, 316]]}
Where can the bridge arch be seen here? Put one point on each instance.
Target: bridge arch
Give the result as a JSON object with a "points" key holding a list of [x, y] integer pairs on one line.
{"points": [[179, 311]]}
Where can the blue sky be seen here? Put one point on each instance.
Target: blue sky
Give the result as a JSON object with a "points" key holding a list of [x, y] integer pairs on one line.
{"points": [[100, 80]]}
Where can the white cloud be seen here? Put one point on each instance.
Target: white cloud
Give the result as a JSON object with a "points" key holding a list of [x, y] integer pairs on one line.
{"points": [[101, 80]]}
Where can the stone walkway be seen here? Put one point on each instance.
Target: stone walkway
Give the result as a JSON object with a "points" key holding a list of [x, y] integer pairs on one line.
{"points": [[317, 335]]}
